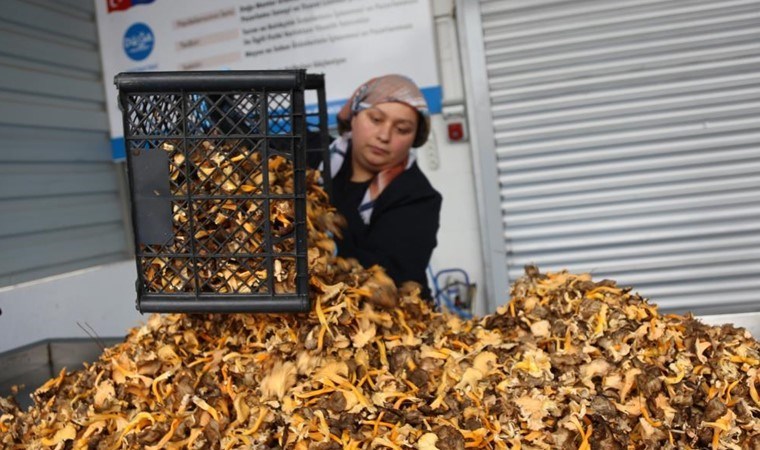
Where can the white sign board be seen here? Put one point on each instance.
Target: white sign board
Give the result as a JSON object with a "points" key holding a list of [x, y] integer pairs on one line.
{"points": [[350, 41]]}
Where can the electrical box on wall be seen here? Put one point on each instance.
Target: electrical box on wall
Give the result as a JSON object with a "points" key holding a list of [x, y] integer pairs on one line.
{"points": [[456, 122]]}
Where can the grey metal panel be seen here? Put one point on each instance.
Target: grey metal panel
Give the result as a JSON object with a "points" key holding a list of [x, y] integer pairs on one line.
{"points": [[28, 110], [26, 64], [695, 79], [60, 200], [543, 8], [636, 208], [25, 359], [603, 98], [51, 50], [27, 81], [663, 176], [84, 9], [611, 198], [581, 18], [626, 142], [645, 31], [87, 147], [29, 252], [23, 216], [28, 367], [56, 180], [83, 6], [35, 16]]}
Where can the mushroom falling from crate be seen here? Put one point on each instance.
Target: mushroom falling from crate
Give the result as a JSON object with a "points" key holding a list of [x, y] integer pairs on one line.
{"points": [[217, 166]]}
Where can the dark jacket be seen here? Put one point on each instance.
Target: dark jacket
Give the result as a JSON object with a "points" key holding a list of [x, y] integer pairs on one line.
{"points": [[402, 231]]}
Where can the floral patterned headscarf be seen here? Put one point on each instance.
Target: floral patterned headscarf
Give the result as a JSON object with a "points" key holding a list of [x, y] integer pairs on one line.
{"points": [[388, 88]]}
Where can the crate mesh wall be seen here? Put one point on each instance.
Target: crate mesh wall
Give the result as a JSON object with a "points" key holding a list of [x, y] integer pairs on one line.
{"points": [[223, 222]]}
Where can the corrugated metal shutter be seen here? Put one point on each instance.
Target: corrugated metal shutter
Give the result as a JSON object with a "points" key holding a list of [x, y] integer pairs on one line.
{"points": [[60, 206], [627, 136]]}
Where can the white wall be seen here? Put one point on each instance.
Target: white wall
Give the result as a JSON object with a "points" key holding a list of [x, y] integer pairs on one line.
{"points": [[448, 166], [102, 297]]}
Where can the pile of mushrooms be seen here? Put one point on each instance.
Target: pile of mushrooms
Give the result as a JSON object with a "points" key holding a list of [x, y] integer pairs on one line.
{"points": [[568, 363], [228, 213]]}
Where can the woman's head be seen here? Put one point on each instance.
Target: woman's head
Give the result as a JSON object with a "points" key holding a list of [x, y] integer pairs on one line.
{"points": [[387, 116]]}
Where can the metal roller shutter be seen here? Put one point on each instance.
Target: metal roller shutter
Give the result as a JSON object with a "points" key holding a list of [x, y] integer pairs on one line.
{"points": [[627, 142], [60, 202]]}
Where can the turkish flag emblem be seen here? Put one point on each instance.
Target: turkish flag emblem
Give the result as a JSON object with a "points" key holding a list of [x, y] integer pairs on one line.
{"points": [[118, 5]]}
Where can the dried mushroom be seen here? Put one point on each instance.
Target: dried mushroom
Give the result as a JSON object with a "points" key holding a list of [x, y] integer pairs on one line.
{"points": [[567, 364], [225, 199]]}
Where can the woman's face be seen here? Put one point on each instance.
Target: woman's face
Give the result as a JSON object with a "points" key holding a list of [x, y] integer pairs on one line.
{"points": [[382, 135]]}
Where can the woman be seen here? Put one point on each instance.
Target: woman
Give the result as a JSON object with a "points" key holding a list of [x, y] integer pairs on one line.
{"points": [[390, 207]]}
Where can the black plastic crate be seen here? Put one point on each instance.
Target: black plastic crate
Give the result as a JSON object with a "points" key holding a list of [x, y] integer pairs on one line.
{"points": [[219, 223], [318, 138]]}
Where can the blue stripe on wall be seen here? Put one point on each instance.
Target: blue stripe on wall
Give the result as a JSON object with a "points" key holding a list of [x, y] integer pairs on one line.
{"points": [[434, 97], [118, 149]]}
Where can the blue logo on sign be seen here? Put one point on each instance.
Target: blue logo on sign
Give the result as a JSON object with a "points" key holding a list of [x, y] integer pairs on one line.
{"points": [[138, 41]]}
